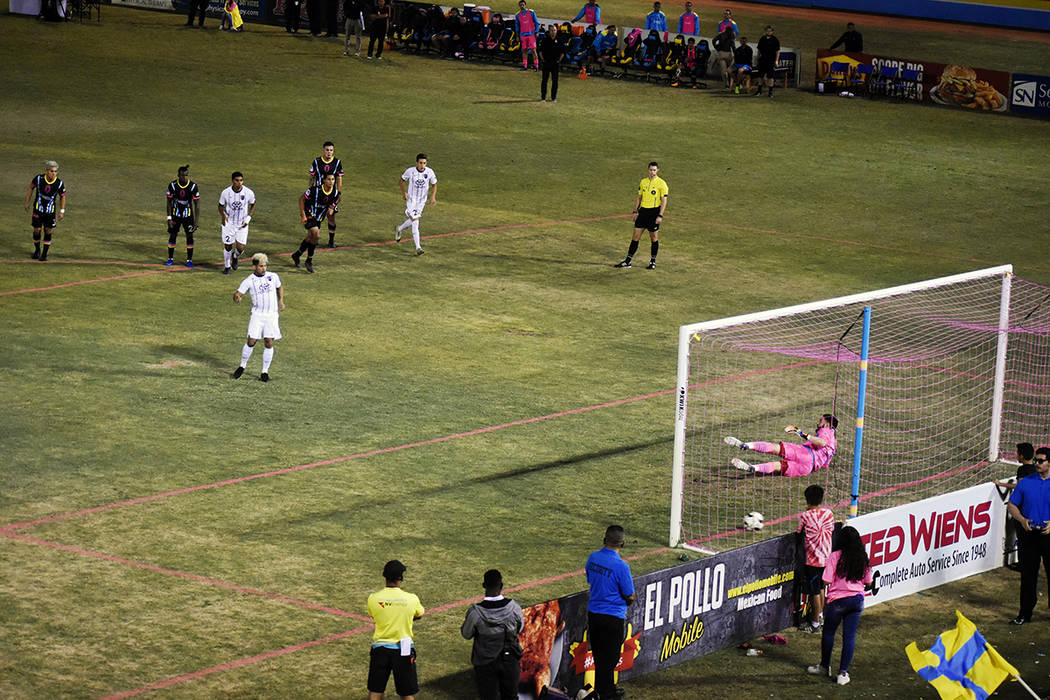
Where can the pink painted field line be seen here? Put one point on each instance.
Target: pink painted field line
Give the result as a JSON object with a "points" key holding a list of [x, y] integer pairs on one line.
{"points": [[94, 281], [182, 574]]}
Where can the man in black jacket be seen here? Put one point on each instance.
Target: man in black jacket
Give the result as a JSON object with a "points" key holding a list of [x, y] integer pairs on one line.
{"points": [[551, 51], [851, 41]]}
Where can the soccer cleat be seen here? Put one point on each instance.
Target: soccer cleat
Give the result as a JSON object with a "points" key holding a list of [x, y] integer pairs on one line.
{"points": [[419, 251], [741, 465], [331, 244], [674, 84], [1019, 620], [843, 678], [809, 628], [309, 267], [295, 258], [733, 442], [651, 265], [189, 263], [234, 263], [397, 234], [264, 377], [819, 670], [238, 372], [225, 270], [170, 262], [626, 262], [35, 255], [43, 257]]}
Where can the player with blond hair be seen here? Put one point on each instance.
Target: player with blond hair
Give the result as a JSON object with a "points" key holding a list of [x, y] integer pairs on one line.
{"points": [[267, 301], [43, 191]]}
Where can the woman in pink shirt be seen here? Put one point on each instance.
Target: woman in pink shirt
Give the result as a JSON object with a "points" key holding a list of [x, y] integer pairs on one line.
{"points": [[847, 575]]}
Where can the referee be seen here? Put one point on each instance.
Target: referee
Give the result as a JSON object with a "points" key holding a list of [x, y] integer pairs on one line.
{"points": [[649, 207]]}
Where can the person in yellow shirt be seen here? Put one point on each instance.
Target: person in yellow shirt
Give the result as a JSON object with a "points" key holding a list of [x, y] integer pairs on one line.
{"points": [[393, 611], [649, 209]]}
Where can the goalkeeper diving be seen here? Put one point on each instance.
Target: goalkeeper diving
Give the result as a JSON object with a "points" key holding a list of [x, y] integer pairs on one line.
{"points": [[795, 460]]}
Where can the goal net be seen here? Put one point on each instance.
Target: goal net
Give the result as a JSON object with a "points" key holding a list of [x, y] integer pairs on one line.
{"points": [[956, 376]]}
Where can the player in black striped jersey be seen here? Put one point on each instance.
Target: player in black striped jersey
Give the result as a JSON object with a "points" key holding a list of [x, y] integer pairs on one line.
{"points": [[42, 193], [183, 211], [328, 164], [315, 205]]}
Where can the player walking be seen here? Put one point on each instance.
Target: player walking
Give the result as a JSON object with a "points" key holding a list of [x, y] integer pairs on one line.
{"points": [[649, 209], [328, 164], [42, 192], [315, 205], [236, 206], [183, 211], [795, 460], [419, 179], [267, 300]]}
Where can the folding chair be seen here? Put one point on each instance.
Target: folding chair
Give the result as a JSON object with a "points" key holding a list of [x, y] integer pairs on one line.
{"points": [[883, 82], [837, 75], [907, 85], [861, 75]]}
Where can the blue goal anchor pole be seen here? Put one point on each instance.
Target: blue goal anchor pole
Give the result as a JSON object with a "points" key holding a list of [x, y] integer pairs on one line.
{"points": [[862, 386]]}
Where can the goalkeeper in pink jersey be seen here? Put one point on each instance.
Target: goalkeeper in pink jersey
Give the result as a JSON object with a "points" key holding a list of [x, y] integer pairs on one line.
{"points": [[795, 460]]}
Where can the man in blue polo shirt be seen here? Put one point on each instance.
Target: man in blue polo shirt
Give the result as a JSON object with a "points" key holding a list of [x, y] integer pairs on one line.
{"points": [[1029, 505], [612, 590]]}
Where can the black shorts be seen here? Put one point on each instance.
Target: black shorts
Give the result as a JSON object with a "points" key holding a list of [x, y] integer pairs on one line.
{"points": [[311, 222], [812, 580], [42, 220], [383, 661], [766, 70], [179, 222], [647, 218]]}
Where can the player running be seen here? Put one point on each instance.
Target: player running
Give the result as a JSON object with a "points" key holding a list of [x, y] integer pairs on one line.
{"points": [[419, 179], [315, 205], [795, 460], [183, 211], [328, 164], [267, 300], [236, 206], [42, 192]]}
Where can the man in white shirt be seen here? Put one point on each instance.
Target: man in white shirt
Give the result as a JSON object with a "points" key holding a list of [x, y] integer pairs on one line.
{"points": [[236, 206], [267, 300], [419, 180]]}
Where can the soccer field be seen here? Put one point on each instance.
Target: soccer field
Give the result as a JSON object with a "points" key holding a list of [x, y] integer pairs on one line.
{"points": [[494, 403]]}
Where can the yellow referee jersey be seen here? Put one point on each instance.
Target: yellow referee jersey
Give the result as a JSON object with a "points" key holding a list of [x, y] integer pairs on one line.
{"points": [[652, 191], [393, 611]]}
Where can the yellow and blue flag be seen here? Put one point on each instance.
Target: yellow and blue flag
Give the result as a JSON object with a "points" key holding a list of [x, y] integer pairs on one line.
{"points": [[961, 665]]}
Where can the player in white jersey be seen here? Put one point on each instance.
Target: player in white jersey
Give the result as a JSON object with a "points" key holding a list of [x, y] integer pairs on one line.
{"points": [[267, 301], [236, 206], [419, 180]]}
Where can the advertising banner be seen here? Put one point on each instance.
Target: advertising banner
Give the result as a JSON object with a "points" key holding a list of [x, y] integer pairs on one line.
{"points": [[948, 85], [1030, 94], [928, 543], [678, 614]]}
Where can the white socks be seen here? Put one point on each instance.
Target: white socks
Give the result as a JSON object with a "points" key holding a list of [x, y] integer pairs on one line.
{"points": [[267, 359], [404, 224], [415, 232], [246, 353], [225, 257]]}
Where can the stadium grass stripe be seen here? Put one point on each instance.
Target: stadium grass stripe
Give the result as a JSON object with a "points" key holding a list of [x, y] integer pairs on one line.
{"points": [[384, 450], [182, 574]]}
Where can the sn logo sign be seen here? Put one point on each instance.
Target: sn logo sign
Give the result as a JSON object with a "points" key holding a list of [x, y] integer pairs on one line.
{"points": [[1024, 93]]}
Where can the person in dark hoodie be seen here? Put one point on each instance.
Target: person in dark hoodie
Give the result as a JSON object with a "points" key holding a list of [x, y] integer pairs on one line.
{"points": [[494, 624]]}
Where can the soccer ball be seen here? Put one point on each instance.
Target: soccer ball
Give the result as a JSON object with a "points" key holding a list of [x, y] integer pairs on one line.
{"points": [[753, 521]]}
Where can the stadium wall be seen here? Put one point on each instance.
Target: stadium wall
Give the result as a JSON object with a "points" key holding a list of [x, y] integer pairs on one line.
{"points": [[973, 13]]}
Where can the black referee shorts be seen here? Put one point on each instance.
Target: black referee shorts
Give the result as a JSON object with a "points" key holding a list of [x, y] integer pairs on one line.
{"points": [[647, 218], [384, 661]]}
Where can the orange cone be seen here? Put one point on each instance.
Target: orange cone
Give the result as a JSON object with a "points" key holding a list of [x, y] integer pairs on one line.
{"points": [[583, 73]]}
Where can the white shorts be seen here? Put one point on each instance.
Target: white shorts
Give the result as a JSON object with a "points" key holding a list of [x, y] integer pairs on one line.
{"points": [[264, 326], [231, 233], [414, 210]]}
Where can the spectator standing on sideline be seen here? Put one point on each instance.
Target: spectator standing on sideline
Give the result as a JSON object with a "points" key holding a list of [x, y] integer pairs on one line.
{"points": [[527, 26], [377, 25], [847, 574], [393, 611], [42, 193], [1029, 505], [768, 57], [723, 45], [551, 50], [419, 180], [328, 164], [1026, 466], [649, 209], [728, 23], [494, 624], [656, 19], [354, 10], [267, 301], [689, 22], [611, 591], [331, 15], [313, 16], [236, 206], [851, 40], [183, 212], [591, 13], [292, 12], [816, 524], [197, 9]]}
